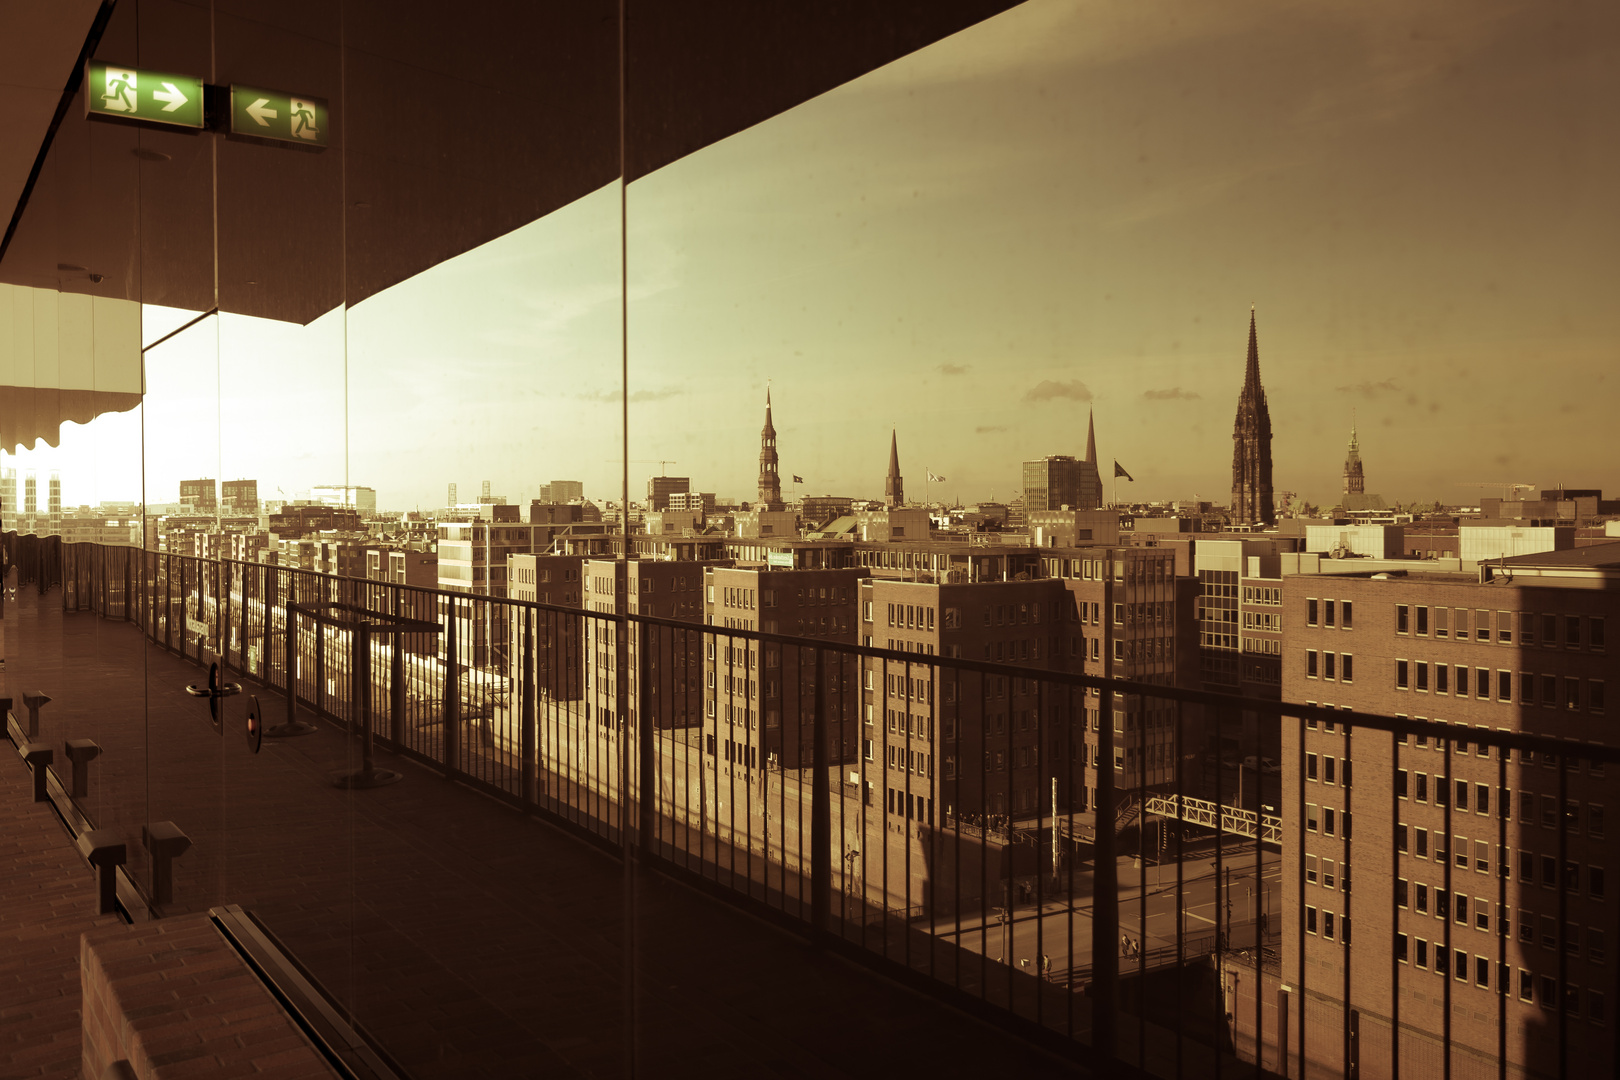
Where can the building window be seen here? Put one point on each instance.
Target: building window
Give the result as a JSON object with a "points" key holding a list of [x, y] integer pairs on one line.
{"points": [[1327, 665], [1347, 674], [1400, 619], [1572, 631], [1423, 620], [1422, 672], [1401, 676], [1310, 663]]}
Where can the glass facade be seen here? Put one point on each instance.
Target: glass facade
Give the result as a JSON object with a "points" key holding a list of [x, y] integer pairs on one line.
{"points": [[447, 252]]}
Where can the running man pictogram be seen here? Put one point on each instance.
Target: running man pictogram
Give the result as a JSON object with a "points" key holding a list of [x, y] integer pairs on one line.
{"points": [[120, 95]]}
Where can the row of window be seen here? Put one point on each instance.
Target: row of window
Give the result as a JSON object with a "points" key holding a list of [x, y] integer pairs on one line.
{"points": [[1327, 820], [1417, 953], [1533, 868], [1329, 926], [1454, 623], [1327, 769], [1262, 594], [1415, 786], [1327, 873], [1462, 745], [1550, 691], [1263, 620], [916, 807], [914, 761], [1332, 613], [1340, 667]]}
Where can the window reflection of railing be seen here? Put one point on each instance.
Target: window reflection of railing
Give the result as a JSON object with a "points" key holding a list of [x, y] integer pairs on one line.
{"points": [[1036, 919]]}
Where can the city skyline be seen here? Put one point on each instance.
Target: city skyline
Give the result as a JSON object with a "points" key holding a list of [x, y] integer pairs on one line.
{"points": [[1415, 205]]}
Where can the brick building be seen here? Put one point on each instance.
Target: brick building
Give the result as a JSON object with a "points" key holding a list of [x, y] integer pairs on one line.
{"points": [[1468, 900]]}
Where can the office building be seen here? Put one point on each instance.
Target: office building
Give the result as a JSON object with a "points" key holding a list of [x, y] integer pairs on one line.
{"points": [[199, 495], [1498, 862], [363, 499], [660, 488], [241, 496]]}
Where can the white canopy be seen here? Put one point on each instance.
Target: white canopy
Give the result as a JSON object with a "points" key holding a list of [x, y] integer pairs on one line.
{"points": [[64, 357]]}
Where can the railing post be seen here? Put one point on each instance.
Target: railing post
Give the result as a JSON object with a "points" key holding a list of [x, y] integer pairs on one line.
{"points": [[1105, 896], [289, 656], [396, 688], [820, 811], [452, 692], [645, 729], [320, 668], [530, 739]]}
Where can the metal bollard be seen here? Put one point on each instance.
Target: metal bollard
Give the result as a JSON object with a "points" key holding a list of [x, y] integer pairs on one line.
{"points": [[106, 852], [33, 699], [39, 757], [81, 752], [166, 843]]}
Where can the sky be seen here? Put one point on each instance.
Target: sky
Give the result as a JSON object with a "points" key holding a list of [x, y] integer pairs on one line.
{"points": [[1068, 207]]}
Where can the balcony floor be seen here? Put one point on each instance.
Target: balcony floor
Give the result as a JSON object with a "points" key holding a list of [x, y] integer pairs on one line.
{"points": [[469, 939]]}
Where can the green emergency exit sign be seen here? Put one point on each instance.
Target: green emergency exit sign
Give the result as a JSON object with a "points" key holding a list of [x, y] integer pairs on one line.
{"points": [[278, 114], [156, 97]]}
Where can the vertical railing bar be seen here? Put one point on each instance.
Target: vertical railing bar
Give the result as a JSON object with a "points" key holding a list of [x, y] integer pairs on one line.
{"points": [[1504, 808], [1563, 879], [1223, 887], [1105, 940], [1352, 1032], [1299, 915], [1451, 907], [1395, 979], [1141, 878], [1181, 898], [820, 812]]}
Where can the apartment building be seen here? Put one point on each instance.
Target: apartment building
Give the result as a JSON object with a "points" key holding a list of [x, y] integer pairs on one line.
{"points": [[1484, 874], [673, 666], [759, 696]]}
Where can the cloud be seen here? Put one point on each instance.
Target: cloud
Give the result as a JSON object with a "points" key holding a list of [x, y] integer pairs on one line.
{"points": [[989, 429], [953, 369], [1371, 390], [1175, 393], [1047, 390], [613, 397]]}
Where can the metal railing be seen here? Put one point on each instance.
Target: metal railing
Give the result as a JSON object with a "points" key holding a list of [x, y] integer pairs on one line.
{"points": [[938, 818]]}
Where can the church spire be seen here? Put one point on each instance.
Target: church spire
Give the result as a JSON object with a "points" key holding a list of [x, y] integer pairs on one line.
{"points": [[893, 486], [1252, 502], [1091, 436], [770, 482], [1251, 371]]}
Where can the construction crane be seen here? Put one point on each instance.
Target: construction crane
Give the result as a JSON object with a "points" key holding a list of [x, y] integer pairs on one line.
{"points": [[662, 463], [1509, 490]]}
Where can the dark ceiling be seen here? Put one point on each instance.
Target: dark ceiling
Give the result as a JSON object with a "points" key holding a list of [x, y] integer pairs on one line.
{"points": [[459, 123]]}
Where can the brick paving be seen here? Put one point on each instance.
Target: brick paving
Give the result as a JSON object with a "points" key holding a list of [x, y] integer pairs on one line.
{"points": [[46, 898], [469, 939]]}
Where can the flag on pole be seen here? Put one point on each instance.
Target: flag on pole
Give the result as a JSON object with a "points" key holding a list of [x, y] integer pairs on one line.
{"points": [[932, 479], [1120, 471], [798, 479]]}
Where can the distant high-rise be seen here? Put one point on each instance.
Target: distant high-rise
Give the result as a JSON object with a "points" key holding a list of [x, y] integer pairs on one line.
{"points": [[30, 504], [240, 495], [770, 482], [199, 494], [660, 488], [8, 494], [894, 489], [562, 491], [54, 497], [1252, 502], [1052, 483], [452, 500]]}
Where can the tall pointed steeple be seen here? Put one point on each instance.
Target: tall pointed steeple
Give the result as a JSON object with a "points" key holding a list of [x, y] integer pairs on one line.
{"points": [[1355, 480], [770, 481], [894, 492], [1091, 436], [1252, 501]]}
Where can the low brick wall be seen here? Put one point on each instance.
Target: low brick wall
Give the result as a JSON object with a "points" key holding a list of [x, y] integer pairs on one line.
{"points": [[174, 999]]}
